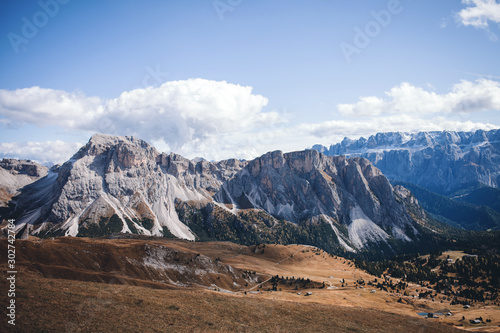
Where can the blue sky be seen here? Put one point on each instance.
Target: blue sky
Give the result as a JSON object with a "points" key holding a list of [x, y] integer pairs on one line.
{"points": [[238, 78]]}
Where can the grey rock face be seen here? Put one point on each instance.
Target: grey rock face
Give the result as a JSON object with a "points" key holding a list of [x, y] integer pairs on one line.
{"points": [[122, 184], [443, 162], [15, 174], [411, 203], [298, 186], [23, 167], [199, 175]]}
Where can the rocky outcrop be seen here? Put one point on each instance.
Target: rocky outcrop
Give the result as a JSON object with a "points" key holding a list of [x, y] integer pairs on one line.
{"points": [[443, 162], [198, 175], [410, 202], [23, 167]]}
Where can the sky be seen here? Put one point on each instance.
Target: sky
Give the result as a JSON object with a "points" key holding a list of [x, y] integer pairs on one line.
{"points": [[238, 78]]}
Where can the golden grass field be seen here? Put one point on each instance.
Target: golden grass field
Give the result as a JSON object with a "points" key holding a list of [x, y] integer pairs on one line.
{"points": [[89, 285]]}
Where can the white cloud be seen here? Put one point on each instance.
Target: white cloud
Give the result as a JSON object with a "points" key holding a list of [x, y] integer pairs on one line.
{"points": [[184, 116], [478, 13], [45, 107], [48, 152], [186, 112], [466, 96]]}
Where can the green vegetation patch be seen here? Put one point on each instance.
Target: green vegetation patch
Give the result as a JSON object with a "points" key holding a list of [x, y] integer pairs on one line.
{"points": [[105, 227]]}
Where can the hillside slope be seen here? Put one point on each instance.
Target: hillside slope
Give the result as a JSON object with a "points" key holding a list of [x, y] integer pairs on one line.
{"points": [[15, 174], [484, 196], [456, 213]]}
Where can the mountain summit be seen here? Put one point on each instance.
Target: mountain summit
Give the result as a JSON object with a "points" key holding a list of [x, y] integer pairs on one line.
{"points": [[123, 185]]}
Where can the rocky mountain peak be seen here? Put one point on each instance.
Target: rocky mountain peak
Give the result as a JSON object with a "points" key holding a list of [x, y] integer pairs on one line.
{"points": [[128, 148], [273, 160], [479, 136], [176, 164], [307, 185], [307, 160]]}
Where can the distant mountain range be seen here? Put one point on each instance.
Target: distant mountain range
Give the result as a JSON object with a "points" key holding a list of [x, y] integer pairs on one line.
{"points": [[448, 163], [123, 185]]}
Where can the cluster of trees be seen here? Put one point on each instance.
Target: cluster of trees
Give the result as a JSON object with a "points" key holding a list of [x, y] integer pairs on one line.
{"points": [[388, 285], [108, 226], [473, 278], [291, 282], [481, 271], [105, 227], [411, 271]]}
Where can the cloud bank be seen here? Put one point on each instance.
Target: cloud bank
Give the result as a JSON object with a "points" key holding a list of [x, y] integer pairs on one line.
{"points": [[464, 97], [48, 152], [219, 120], [183, 116]]}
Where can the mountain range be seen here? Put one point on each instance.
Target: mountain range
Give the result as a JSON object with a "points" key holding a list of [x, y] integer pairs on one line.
{"points": [[123, 185], [448, 163]]}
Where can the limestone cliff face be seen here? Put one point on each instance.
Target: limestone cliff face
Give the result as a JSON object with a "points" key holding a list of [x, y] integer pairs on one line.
{"points": [[443, 162], [303, 185], [411, 203], [122, 184], [202, 176]]}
